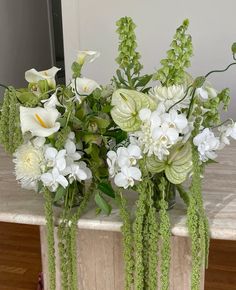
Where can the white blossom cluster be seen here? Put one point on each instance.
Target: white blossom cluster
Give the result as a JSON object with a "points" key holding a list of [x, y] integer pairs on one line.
{"points": [[123, 166], [160, 130], [36, 161], [207, 143]]}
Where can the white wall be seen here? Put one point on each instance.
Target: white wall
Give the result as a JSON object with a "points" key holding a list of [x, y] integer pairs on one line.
{"points": [[90, 24], [24, 39]]}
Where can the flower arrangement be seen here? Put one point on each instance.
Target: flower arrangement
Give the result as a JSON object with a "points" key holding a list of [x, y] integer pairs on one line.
{"points": [[82, 140]]}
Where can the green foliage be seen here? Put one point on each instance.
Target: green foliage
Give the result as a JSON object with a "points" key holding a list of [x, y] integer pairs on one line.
{"points": [[102, 203], [62, 137], [127, 237], [178, 58], [10, 132], [196, 219], [50, 239], [165, 235], [213, 116], [128, 58], [138, 235], [128, 74], [152, 239]]}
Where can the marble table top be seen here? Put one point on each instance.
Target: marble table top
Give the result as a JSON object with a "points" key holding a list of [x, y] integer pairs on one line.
{"points": [[219, 191]]}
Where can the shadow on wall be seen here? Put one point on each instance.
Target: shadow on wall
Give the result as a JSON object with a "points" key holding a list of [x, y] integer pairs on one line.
{"points": [[25, 39]]}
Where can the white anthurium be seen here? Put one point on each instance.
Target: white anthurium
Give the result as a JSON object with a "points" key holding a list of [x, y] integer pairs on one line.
{"points": [[53, 179], [39, 121], [84, 56], [83, 87], [33, 76], [207, 144], [112, 163], [52, 102], [170, 96], [71, 154], [127, 177], [128, 156], [55, 158], [175, 120]]}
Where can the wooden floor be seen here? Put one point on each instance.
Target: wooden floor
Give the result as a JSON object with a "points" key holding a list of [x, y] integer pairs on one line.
{"points": [[20, 260]]}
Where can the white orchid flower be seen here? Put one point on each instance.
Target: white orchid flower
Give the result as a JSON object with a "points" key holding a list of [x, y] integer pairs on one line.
{"points": [[112, 163], [232, 131], [207, 144], [71, 154], [33, 76], [128, 156], [55, 158], [206, 92], [127, 177], [225, 133], [78, 171], [83, 87], [175, 120], [53, 179], [84, 56], [39, 121], [51, 102]]}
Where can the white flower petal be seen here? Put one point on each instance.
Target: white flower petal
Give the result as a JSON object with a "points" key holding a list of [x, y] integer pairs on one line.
{"points": [[145, 114], [39, 121], [121, 180]]}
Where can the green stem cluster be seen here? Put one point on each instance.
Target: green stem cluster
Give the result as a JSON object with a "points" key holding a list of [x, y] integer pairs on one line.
{"points": [[10, 132], [50, 239], [197, 220], [150, 230]]}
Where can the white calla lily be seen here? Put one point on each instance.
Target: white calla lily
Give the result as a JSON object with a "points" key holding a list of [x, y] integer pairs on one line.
{"points": [[84, 56], [51, 102], [83, 87], [33, 76], [39, 121]]}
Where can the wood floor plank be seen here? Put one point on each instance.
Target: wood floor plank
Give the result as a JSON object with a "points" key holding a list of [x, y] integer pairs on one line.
{"points": [[20, 258]]}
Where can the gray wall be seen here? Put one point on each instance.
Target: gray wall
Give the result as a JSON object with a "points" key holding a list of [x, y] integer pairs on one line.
{"points": [[90, 24], [24, 39]]}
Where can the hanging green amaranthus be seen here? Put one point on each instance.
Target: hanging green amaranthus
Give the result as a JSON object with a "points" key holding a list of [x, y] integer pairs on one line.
{"points": [[10, 132]]}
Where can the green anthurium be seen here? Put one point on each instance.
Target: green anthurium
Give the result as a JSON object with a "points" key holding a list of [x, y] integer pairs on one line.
{"points": [[177, 165], [126, 106]]}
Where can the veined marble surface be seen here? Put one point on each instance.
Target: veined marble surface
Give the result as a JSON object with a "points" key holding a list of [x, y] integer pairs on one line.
{"points": [[219, 191]]}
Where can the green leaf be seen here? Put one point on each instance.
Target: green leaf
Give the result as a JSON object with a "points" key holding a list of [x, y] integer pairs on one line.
{"points": [[102, 204], [120, 78], [144, 80], [119, 135], [61, 191], [27, 98], [76, 68], [107, 189], [43, 86]]}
